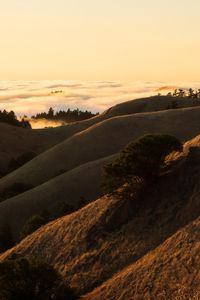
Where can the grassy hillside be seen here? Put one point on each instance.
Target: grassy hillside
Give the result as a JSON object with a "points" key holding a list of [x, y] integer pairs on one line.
{"points": [[146, 247], [103, 139], [17, 141], [76, 188], [116, 230], [169, 272]]}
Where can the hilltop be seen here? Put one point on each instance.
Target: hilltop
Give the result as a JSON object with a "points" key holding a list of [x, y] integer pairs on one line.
{"points": [[17, 141], [112, 247]]}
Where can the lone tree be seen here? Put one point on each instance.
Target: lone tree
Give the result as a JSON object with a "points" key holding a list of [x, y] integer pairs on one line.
{"points": [[140, 161], [21, 279]]}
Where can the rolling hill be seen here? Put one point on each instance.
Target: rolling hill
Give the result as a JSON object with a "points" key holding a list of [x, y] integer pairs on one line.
{"points": [[103, 139], [72, 188], [152, 242], [17, 141]]}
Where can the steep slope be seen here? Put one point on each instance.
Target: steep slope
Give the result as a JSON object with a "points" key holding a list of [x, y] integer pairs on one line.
{"points": [[76, 188], [103, 139], [121, 231], [171, 271]]}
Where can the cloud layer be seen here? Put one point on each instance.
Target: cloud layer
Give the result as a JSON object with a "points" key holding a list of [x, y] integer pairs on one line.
{"points": [[30, 97]]}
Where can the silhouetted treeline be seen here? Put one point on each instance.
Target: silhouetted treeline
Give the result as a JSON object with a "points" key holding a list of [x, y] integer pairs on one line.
{"points": [[10, 118], [182, 93], [65, 115]]}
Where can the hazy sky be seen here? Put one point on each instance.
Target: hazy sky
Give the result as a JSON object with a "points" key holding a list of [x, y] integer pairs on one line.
{"points": [[100, 40]]}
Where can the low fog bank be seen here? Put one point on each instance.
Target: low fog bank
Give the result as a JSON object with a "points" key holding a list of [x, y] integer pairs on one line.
{"points": [[42, 123]]}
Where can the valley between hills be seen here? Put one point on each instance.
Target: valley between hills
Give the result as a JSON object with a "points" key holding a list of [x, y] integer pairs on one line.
{"points": [[105, 246]]}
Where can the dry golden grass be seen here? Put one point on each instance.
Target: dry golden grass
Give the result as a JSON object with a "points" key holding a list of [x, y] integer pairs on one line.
{"points": [[17, 141], [81, 183], [113, 249], [171, 271], [103, 139], [110, 249]]}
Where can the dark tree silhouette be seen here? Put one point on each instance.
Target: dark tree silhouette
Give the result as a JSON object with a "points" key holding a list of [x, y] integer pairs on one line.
{"points": [[23, 279], [10, 118], [191, 93], [140, 161], [65, 116]]}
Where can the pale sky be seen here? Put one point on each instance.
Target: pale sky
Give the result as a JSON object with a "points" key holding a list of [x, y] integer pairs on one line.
{"points": [[100, 40]]}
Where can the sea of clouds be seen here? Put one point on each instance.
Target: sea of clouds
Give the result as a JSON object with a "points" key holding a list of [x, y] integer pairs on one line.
{"points": [[30, 97]]}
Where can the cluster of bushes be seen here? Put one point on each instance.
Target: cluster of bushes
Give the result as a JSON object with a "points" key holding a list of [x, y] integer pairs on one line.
{"points": [[26, 279], [10, 118], [65, 116]]}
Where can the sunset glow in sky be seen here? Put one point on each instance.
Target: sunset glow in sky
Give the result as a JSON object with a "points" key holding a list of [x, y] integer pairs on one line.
{"points": [[133, 40]]}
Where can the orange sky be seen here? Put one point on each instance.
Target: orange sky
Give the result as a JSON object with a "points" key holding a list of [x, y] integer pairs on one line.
{"points": [[100, 40]]}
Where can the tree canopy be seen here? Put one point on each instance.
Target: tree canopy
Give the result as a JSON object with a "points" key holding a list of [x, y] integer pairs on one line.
{"points": [[141, 160], [11, 118], [65, 115]]}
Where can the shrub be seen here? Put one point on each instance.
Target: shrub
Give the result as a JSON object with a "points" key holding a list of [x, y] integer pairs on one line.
{"points": [[140, 161], [32, 225], [22, 279]]}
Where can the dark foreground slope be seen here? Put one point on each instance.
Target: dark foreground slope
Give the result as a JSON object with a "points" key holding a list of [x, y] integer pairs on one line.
{"points": [[111, 236]]}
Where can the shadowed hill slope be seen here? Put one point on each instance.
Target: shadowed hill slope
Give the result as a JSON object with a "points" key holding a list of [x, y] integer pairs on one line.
{"points": [[104, 139], [16, 141], [121, 231], [76, 188]]}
